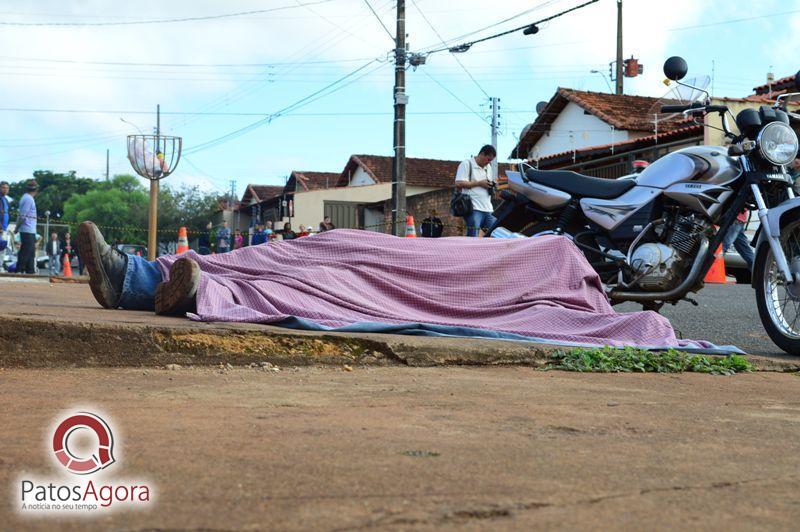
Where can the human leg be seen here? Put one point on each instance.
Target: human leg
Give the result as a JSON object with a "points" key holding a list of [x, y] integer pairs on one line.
{"points": [[115, 278], [487, 221], [27, 252], [473, 222], [54, 265], [742, 245], [731, 235]]}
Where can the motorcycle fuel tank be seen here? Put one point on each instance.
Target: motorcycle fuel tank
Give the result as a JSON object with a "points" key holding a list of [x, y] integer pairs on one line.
{"points": [[705, 164]]}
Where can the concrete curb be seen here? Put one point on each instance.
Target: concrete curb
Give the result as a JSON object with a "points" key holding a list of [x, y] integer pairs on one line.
{"points": [[40, 343]]}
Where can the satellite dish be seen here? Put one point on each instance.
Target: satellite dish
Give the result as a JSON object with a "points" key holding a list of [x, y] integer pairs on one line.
{"points": [[540, 107], [679, 95], [525, 130]]}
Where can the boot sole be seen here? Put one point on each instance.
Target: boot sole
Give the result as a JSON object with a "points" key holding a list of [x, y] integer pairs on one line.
{"points": [[101, 287], [177, 296]]}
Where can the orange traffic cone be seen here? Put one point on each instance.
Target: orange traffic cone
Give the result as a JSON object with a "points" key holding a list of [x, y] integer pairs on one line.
{"points": [[183, 241], [66, 267], [411, 231], [716, 274]]}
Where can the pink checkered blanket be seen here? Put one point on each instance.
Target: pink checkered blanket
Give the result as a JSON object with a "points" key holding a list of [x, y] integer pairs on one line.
{"points": [[541, 288]]}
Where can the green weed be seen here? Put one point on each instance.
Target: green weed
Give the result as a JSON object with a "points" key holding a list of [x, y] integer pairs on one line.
{"points": [[630, 359]]}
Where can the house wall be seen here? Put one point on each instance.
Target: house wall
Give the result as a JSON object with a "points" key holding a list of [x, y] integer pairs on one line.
{"points": [[309, 207], [361, 178], [714, 137], [573, 130]]}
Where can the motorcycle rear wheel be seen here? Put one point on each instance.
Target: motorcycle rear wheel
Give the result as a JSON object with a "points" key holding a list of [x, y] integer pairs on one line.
{"points": [[778, 310]]}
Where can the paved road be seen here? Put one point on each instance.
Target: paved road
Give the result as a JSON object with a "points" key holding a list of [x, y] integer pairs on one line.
{"points": [[726, 314], [422, 448]]}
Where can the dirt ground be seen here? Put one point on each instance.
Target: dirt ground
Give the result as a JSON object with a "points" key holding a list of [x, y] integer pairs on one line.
{"points": [[423, 448]]}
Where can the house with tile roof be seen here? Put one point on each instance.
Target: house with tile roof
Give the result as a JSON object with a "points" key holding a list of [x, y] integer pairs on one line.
{"points": [[573, 120]]}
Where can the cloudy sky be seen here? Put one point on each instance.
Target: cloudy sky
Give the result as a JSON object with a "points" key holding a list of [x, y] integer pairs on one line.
{"points": [[67, 85]]}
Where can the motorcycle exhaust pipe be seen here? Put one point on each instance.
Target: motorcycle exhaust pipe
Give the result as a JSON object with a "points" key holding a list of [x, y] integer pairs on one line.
{"points": [[672, 295]]}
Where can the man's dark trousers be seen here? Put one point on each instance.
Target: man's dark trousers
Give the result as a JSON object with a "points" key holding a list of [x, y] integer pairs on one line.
{"points": [[27, 253]]}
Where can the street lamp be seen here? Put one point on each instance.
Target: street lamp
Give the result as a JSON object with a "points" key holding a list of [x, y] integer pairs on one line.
{"points": [[154, 157]]}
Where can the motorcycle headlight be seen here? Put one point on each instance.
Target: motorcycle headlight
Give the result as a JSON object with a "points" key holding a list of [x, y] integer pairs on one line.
{"points": [[777, 143]]}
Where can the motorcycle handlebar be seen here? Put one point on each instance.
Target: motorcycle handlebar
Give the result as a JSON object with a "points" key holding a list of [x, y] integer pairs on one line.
{"points": [[674, 108]]}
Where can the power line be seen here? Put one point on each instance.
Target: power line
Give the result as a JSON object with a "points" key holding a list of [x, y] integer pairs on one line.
{"points": [[303, 101], [165, 20], [467, 45], [389, 33], [507, 19], [454, 56], [454, 95], [735, 20], [131, 63]]}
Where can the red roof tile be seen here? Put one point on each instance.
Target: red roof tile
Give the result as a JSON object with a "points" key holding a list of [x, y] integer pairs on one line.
{"points": [[622, 111], [779, 86], [306, 181], [260, 193], [687, 131], [420, 172]]}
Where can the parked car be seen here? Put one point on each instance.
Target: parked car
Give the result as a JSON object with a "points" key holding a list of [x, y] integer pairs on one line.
{"points": [[133, 249]]}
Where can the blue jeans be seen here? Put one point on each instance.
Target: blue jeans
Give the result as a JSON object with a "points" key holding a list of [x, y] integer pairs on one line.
{"points": [[139, 288], [479, 220], [739, 240]]}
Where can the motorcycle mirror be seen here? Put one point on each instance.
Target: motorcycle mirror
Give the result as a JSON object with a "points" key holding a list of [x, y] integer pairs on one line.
{"points": [[675, 68], [797, 81]]}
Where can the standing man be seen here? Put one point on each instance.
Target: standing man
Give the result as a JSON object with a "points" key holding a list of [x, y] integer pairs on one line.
{"points": [[474, 177], [54, 251], [223, 238], [5, 205], [26, 227]]}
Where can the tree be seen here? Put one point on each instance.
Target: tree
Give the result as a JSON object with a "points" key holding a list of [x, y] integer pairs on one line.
{"points": [[120, 214], [54, 189]]}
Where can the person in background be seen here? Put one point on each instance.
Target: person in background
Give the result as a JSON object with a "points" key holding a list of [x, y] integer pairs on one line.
{"points": [[326, 225], [53, 250], [738, 238], [238, 240], [26, 227], [432, 226], [269, 232], [303, 231], [5, 205], [69, 250], [204, 241], [259, 235], [287, 233], [223, 238], [794, 171], [474, 177]]}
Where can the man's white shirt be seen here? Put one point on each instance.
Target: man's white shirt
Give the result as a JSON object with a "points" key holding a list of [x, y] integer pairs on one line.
{"points": [[481, 200]]}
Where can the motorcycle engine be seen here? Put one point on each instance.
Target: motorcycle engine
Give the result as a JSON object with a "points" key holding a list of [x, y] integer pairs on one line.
{"points": [[662, 264], [659, 263]]}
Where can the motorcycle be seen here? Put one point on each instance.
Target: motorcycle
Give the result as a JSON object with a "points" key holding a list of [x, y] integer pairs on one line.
{"points": [[652, 238]]}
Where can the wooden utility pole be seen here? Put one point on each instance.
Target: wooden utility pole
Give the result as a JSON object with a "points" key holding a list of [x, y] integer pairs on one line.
{"points": [[620, 74], [400, 101], [152, 240]]}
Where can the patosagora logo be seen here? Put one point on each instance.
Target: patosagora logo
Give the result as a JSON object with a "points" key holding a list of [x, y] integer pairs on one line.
{"points": [[104, 455], [83, 444]]}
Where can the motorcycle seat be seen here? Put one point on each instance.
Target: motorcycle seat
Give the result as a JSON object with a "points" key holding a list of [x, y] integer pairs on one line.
{"points": [[581, 185]]}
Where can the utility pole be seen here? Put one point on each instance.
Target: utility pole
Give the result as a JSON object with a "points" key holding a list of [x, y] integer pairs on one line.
{"points": [[619, 48], [400, 101], [495, 125], [233, 205], [107, 164], [152, 240]]}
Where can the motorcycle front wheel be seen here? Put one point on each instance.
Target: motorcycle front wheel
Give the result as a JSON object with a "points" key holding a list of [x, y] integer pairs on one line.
{"points": [[778, 310]]}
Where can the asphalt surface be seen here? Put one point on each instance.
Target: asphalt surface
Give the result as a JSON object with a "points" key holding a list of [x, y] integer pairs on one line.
{"points": [[455, 448], [726, 314]]}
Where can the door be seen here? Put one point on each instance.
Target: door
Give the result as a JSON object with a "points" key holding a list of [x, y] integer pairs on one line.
{"points": [[344, 214]]}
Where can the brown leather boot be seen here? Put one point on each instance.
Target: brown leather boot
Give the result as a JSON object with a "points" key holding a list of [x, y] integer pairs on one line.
{"points": [[106, 265], [177, 296]]}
